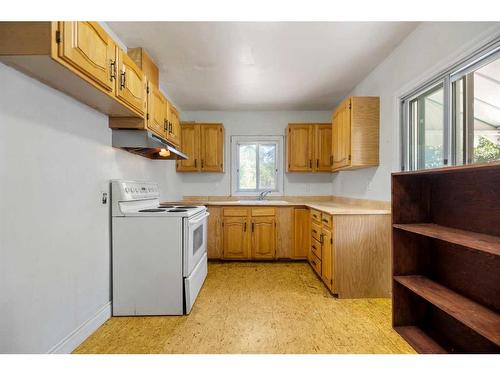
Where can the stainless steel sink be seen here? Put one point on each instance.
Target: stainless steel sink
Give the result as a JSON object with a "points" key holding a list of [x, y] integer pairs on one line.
{"points": [[263, 202]]}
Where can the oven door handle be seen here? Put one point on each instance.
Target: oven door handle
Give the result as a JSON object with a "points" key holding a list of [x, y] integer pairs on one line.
{"points": [[194, 222]]}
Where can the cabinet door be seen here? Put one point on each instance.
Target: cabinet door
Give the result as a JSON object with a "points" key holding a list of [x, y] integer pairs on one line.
{"points": [[323, 148], [327, 258], [302, 232], [212, 147], [90, 50], [155, 118], [235, 238], [299, 148], [190, 145], [131, 83], [342, 136], [263, 237], [173, 123]]}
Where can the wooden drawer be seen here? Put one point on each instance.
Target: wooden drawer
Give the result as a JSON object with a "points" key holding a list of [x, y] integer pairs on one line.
{"points": [[235, 211], [316, 247], [315, 216], [315, 231], [263, 211], [315, 263], [327, 221]]}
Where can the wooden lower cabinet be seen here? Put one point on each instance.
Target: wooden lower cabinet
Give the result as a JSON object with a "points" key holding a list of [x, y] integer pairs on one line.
{"points": [[235, 238], [301, 232], [263, 237], [351, 254]]}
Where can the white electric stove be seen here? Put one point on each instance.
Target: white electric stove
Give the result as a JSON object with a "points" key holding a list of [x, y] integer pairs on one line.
{"points": [[159, 252]]}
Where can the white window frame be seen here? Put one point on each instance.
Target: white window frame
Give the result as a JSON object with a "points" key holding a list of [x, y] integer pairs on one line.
{"points": [[446, 78], [243, 139]]}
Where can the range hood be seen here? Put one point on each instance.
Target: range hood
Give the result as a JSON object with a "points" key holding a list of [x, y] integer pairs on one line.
{"points": [[145, 143]]}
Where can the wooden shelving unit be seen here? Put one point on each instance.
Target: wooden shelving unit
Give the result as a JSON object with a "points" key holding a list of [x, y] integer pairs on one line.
{"points": [[446, 258]]}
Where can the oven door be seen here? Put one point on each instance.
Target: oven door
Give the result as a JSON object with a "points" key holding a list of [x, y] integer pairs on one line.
{"points": [[195, 241]]}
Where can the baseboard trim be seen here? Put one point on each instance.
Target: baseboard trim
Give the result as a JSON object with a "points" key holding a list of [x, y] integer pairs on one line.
{"points": [[75, 338]]}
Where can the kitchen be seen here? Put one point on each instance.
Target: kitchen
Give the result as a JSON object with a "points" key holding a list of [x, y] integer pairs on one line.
{"points": [[308, 203]]}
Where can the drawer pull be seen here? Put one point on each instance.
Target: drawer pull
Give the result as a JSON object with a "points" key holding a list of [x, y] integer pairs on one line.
{"points": [[325, 220], [314, 230], [314, 247]]}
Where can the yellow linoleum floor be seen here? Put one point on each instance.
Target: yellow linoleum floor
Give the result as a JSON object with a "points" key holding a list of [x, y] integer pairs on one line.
{"points": [[258, 308]]}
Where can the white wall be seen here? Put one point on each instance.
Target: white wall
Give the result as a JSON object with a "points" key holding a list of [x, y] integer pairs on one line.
{"points": [[55, 160], [254, 123], [430, 48]]}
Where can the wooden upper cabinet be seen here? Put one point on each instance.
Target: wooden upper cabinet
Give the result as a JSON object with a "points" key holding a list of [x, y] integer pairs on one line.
{"points": [[131, 83], [323, 148], [299, 148], [309, 147], [204, 146], [263, 237], [89, 49], [235, 240], [190, 145], [173, 126], [146, 63], [212, 147], [355, 133], [157, 105]]}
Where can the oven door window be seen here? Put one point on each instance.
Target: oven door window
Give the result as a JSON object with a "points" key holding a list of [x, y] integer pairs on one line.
{"points": [[198, 239]]}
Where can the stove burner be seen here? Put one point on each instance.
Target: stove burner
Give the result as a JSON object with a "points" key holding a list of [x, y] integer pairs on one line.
{"points": [[177, 210], [165, 206], [152, 210], [186, 207]]}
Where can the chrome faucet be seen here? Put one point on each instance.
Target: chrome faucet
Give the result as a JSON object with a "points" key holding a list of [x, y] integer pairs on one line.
{"points": [[263, 194]]}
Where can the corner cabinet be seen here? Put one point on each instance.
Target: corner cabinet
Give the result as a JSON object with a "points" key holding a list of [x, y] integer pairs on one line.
{"points": [[355, 133], [204, 146], [309, 147]]}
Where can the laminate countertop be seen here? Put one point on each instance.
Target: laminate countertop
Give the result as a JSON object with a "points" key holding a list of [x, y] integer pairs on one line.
{"points": [[329, 207]]}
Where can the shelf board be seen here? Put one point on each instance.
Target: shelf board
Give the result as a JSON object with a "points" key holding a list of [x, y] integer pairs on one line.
{"points": [[475, 316], [477, 241], [419, 340]]}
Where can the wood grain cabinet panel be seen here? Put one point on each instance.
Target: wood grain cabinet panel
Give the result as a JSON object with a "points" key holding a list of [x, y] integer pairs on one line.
{"points": [[327, 258], [355, 133], [190, 139], [88, 48], [212, 147], [155, 118], [131, 83], [235, 237], [263, 237], [214, 246], [309, 147], [299, 148], [301, 233], [205, 151], [323, 147]]}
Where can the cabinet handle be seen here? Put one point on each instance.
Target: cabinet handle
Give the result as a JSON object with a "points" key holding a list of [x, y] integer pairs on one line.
{"points": [[321, 237], [112, 70], [314, 230], [202, 163], [245, 227], [123, 78], [196, 163], [313, 262], [310, 163], [325, 221], [317, 163], [314, 247], [253, 227]]}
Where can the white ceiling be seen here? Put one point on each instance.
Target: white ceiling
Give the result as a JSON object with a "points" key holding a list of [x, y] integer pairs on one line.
{"points": [[262, 65]]}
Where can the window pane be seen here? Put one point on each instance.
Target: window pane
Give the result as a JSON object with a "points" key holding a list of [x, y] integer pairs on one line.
{"points": [[485, 137], [459, 120], [247, 176], [267, 166], [428, 126]]}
